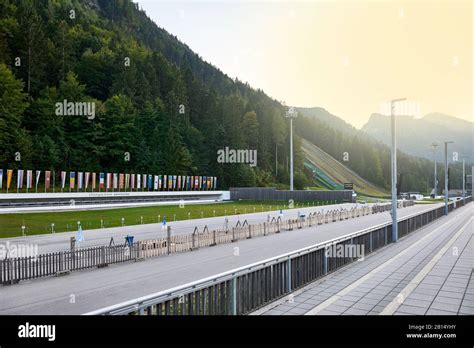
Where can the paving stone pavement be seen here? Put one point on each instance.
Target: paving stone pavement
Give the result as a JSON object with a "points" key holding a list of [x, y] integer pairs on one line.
{"points": [[448, 288]]}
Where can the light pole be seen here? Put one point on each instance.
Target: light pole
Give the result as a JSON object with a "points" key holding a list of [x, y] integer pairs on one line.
{"points": [[394, 170], [446, 193], [463, 181], [291, 114], [435, 185], [472, 181]]}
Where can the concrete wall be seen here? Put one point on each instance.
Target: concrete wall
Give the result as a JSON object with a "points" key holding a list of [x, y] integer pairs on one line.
{"points": [[65, 198], [272, 194], [74, 194]]}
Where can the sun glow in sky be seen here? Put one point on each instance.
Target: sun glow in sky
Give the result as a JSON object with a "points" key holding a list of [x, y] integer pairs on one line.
{"points": [[346, 56]]}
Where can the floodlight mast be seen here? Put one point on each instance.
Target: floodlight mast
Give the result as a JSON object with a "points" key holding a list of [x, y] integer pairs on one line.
{"points": [[446, 179], [291, 114], [435, 184], [394, 170], [464, 181]]}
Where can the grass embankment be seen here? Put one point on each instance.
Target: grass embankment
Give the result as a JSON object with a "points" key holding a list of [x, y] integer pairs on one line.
{"points": [[368, 199], [429, 201], [40, 223]]}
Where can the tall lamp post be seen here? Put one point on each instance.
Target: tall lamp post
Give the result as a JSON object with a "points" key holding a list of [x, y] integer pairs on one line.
{"points": [[446, 193], [394, 170], [435, 185], [472, 181], [464, 181], [291, 114]]}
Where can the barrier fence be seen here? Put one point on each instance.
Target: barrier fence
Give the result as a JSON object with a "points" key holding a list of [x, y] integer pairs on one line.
{"points": [[15, 269], [272, 194], [248, 288], [12, 270]]}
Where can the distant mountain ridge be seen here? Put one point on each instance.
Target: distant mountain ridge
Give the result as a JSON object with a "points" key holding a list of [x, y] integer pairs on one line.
{"points": [[415, 136], [367, 152], [331, 120], [447, 120]]}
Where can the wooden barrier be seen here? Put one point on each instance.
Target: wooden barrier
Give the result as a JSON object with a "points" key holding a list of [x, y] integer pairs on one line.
{"points": [[15, 269]]}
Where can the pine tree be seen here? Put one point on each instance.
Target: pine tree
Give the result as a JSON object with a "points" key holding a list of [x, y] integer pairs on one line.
{"points": [[250, 129], [12, 105], [176, 156]]}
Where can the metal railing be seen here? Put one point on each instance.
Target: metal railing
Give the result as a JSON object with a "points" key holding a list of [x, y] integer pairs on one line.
{"points": [[15, 269], [245, 289]]}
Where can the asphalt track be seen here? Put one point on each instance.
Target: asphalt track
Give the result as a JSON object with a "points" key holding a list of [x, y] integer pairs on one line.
{"points": [[84, 291]]}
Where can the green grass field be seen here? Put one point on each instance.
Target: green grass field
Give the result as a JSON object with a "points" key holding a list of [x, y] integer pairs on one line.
{"points": [[429, 201], [368, 199], [40, 223]]}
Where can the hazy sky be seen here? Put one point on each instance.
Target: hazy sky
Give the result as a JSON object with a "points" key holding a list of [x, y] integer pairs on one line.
{"points": [[346, 56]]}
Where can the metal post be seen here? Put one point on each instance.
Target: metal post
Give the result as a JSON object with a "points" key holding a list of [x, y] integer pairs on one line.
{"points": [[73, 244], [168, 239], [394, 172], [325, 261], [60, 261], [102, 255], [10, 268], [463, 181], [289, 275], [446, 193], [234, 295], [291, 154], [435, 184], [291, 113]]}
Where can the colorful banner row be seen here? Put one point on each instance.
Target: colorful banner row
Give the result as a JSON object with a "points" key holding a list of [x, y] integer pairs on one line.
{"points": [[87, 181]]}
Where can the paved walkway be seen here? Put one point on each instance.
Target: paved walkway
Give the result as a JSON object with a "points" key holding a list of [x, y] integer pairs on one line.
{"points": [[448, 289], [427, 272]]}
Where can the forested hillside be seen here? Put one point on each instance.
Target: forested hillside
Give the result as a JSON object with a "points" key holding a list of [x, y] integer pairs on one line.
{"points": [[156, 100], [159, 107], [371, 158]]}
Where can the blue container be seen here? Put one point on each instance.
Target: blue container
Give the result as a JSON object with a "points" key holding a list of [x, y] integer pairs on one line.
{"points": [[129, 240]]}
